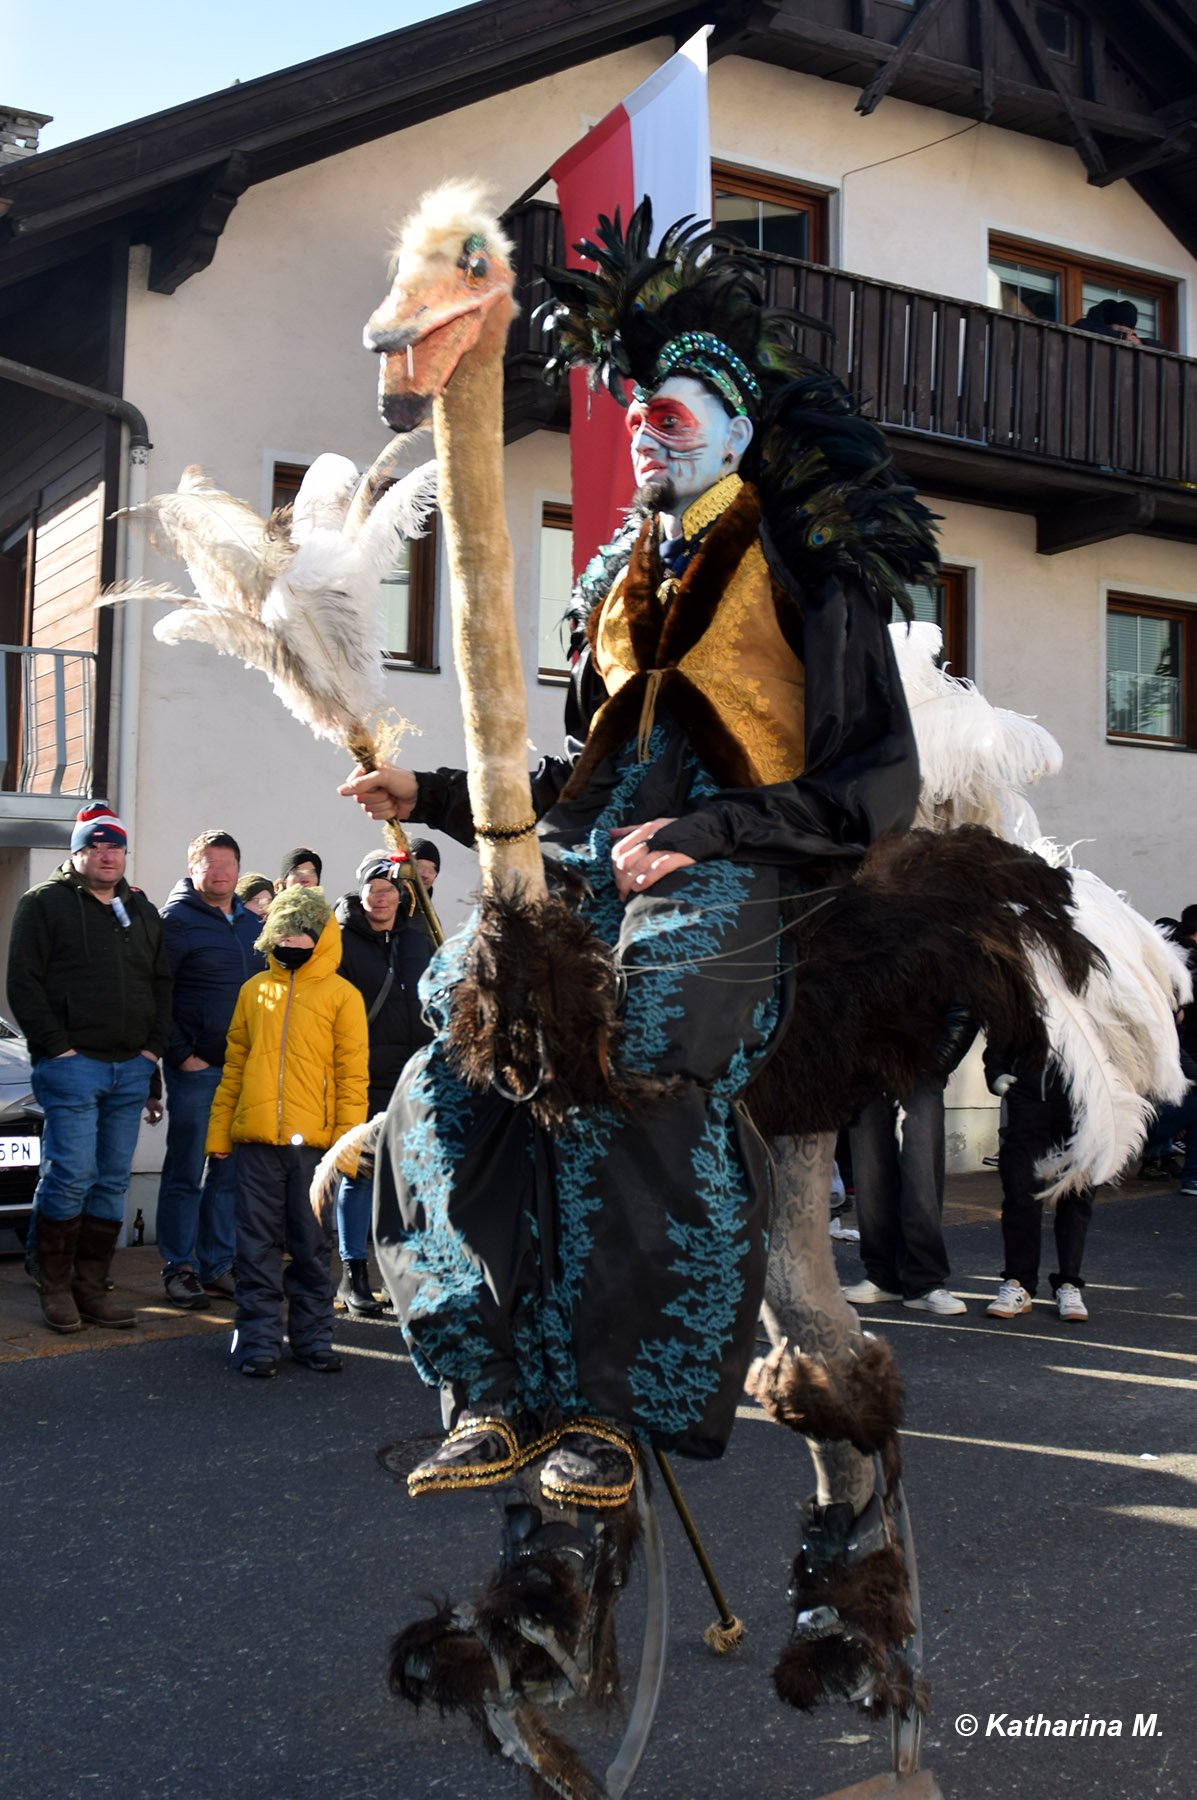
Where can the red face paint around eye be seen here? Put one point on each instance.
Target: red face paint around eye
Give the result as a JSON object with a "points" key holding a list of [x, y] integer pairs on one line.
{"points": [[670, 421]]}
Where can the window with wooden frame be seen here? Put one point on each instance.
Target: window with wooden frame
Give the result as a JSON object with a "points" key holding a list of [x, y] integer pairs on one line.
{"points": [[555, 585], [1151, 671], [944, 602], [408, 590], [1035, 281], [767, 212]]}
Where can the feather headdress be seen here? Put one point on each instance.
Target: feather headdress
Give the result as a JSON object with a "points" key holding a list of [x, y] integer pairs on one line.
{"points": [[695, 305]]}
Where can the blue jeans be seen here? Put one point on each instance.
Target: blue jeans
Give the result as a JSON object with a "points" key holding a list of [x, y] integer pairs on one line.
{"points": [[93, 1113], [195, 1208], [355, 1203]]}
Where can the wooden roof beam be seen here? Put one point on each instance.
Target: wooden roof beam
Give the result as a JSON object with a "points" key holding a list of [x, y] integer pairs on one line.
{"points": [[907, 43], [1111, 121], [1083, 522], [983, 24], [1178, 142], [1023, 25]]}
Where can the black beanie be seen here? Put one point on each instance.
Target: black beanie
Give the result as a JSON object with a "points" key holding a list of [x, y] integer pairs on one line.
{"points": [[293, 859], [424, 850]]}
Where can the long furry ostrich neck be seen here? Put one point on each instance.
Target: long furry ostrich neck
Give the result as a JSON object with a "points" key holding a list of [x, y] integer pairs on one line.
{"points": [[468, 420]]}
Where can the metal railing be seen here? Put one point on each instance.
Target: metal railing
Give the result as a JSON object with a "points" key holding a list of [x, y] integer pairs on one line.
{"points": [[952, 369], [47, 720]]}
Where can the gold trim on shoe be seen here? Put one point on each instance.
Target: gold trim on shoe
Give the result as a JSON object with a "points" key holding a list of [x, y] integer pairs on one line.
{"points": [[440, 1481], [579, 1494]]}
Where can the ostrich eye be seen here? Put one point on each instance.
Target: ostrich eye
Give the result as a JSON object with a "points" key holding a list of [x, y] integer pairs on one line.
{"points": [[477, 268]]}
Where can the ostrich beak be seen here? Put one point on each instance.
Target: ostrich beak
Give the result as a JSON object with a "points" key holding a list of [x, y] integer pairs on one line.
{"points": [[421, 353]]}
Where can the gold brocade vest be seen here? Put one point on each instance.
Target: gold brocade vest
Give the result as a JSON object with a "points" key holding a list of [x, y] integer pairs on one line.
{"points": [[733, 650]]}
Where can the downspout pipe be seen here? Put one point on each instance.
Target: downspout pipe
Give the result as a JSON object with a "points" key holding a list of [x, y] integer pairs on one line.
{"points": [[132, 560]]}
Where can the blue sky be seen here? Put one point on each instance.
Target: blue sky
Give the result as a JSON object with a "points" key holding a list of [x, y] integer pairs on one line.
{"points": [[95, 66]]}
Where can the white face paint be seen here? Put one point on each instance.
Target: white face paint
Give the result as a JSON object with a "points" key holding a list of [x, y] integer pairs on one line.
{"points": [[684, 436]]}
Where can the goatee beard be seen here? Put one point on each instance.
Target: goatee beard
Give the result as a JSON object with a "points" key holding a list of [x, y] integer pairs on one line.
{"points": [[657, 497]]}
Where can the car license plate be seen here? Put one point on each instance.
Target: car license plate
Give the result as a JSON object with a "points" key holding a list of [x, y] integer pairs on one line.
{"points": [[20, 1152]]}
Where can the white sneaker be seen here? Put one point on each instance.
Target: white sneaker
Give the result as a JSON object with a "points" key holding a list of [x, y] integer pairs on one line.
{"points": [[844, 1234], [867, 1293], [937, 1301], [1012, 1299], [1069, 1303]]}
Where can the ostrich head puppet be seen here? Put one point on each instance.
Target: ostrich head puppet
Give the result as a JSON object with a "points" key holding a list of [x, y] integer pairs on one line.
{"points": [[440, 334]]}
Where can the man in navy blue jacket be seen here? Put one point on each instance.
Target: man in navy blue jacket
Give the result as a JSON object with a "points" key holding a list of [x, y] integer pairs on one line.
{"points": [[210, 944]]}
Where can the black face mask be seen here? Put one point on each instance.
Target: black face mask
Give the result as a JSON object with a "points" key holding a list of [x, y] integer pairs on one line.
{"points": [[291, 956]]}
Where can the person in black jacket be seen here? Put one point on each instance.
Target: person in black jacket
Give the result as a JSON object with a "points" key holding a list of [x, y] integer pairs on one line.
{"points": [[89, 985], [210, 938], [384, 952]]}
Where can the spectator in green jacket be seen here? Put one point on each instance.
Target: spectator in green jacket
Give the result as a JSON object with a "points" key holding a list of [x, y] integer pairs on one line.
{"points": [[89, 985]]}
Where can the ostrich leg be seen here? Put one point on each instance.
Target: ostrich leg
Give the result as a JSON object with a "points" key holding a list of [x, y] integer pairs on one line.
{"points": [[825, 1379], [804, 1304]]}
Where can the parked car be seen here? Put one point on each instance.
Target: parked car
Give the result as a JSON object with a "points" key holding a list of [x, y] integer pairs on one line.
{"points": [[20, 1135]]}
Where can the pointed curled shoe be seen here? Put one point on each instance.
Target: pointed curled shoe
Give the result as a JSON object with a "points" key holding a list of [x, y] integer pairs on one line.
{"points": [[481, 1449], [592, 1464]]}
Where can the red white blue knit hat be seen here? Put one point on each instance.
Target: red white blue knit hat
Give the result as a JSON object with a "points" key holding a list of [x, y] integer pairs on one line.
{"points": [[96, 823]]}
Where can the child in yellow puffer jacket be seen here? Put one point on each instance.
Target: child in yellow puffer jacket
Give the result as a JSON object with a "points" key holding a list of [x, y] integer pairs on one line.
{"points": [[295, 1078]]}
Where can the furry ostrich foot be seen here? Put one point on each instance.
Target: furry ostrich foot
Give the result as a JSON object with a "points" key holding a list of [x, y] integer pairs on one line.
{"points": [[851, 1613], [540, 1634]]}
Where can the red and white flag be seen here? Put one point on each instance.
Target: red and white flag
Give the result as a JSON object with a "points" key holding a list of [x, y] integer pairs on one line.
{"points": [[657, 143]]}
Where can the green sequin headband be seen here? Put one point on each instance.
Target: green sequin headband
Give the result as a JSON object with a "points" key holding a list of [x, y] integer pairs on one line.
{"points": [[705, 355]]}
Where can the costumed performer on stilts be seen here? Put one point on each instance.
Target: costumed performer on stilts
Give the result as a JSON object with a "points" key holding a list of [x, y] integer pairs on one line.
{"points": [[736, 734]]}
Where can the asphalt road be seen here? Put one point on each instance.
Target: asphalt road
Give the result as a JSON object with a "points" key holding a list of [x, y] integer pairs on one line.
{"points": [[201, 1573]]}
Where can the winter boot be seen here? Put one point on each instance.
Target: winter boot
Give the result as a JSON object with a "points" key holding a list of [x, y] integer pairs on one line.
{"points": [[56, 1241], [93, 1258], [354, 1292]]}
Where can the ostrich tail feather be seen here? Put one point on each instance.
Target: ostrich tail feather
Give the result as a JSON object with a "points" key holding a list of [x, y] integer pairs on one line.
{"points": [[1110, 1119], [975, 759]]}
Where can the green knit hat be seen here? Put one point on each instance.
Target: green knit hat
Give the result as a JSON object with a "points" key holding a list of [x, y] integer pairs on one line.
{"points": [[295, 909]]}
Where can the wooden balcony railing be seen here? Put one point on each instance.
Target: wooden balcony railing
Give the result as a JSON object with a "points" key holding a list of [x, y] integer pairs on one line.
{"points": [[951, 370]]}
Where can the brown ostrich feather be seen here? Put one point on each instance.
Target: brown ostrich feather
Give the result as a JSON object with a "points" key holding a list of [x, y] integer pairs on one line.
{"points": [[537, 1007], [861, 1402], [931, 924]]}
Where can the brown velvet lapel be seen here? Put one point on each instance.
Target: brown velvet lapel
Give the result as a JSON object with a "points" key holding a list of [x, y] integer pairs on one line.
{"points": [[660, 638]]}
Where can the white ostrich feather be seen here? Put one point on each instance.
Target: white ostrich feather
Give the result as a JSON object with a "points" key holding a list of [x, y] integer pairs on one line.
{"points": [[403, 512], [325, 492], [315, 626], [975, 759], [231, 553], [1115, 1044], [1110, 1118]]}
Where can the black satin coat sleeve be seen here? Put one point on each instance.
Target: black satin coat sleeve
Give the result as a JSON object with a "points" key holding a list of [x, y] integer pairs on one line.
{"points": [[861, 773], [443, 801]]}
